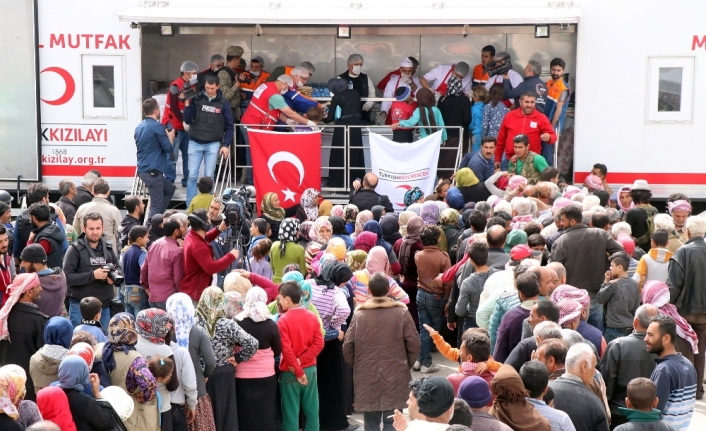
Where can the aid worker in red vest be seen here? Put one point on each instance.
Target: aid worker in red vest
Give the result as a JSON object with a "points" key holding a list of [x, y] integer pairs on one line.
{"points": [[406, 78], [436, 79], [266, 107], [174, 115]]}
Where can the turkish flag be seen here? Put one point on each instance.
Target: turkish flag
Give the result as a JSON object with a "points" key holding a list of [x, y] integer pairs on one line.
{"points": [[285, 163]]}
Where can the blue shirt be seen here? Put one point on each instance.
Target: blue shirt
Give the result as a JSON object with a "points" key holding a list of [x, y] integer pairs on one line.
{"points": [[481, 167], [153, 146], [298, 102]]}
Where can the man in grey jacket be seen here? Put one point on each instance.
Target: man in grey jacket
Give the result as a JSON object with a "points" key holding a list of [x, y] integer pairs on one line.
{"points": [[584, 253], [626, 358]]}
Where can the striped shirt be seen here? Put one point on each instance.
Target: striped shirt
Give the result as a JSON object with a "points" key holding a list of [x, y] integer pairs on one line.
{"points": [[331, 305], [675, 378], [558, 420]]}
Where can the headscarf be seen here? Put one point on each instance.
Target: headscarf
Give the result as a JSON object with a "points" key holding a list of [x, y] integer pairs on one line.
{"points": [[156, 232], [412, 195], [377, 261], [680, 205], [514, 238], [338, 225], [441, 205], [21, 284], [233, 304], [337, 85], [560, 203], [515, 181], [210, 308], [356, 259], [454, 87], [325, 208], [73, 374], [566, 291], [511, 406], [404, 219], [569, 310], [365, 241], [415, 208], [454, 198], [594, 183], [288, 230], [450, 218], [430, 212], [121, 337], [657, 293], [234, 282], [350, 212], [58, 331], [334, 275], [307, 202], [153, 324], [54, 406], [255, 306], [337, 211], [414, 228], [337, 247], [377, 212], [570, 191], [374, 227], [267, 208], [390, 228], [314, 232], [625, 189], [181, 309], [12, 389], [360, 220], [304, 284], [466, 178], [324, 259], [84, 351], [304, 230]]}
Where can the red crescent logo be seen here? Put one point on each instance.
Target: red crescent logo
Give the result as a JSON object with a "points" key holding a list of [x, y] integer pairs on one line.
{"points": [[70, 86]]}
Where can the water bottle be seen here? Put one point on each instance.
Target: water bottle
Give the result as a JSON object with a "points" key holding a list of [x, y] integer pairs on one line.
{"points": [[350, 84]]}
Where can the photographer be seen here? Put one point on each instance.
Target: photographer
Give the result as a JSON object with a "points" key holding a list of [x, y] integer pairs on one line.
{"points": [[173, 113], [154, 145], [199, 265], [512, 76], [532, 84], [87, 268]]}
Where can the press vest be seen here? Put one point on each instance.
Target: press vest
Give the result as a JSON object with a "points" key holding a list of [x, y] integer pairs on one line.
{"points": [[55, 236], [209, 123], [258, 111]]}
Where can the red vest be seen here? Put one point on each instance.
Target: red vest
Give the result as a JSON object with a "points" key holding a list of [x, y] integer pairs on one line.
{"points": [[258, 111], [168, 114]]}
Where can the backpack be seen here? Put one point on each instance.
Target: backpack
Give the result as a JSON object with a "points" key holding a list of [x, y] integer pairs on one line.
{"points": [[647, 236]]}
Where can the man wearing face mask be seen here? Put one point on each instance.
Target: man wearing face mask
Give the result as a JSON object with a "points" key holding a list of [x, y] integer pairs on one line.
{"points": [[173, 113], [359, 82], [216, 65], [437, 78], [258, 76], [296, 100], [383, 82], [405, 78]]}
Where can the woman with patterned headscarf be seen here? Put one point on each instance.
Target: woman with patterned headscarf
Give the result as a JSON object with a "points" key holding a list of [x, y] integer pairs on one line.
{"points": [[225, 335], [455, 109], [272, 212], [285, 250], [413, 196], [320, 234], [255, 380], [303, 234], [350, 212], [152, 325], [87, 414], [196, 339], [128, 370], [14, 409], [309, 205]]}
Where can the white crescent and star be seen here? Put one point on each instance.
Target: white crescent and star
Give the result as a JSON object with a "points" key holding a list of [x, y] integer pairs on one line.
{"points": [[286, 156]]}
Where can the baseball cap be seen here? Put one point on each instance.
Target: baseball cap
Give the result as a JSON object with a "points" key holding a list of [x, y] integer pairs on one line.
{"points": [[520, 251]]}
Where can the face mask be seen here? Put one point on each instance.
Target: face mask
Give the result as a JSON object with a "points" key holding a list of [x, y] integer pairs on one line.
{"points": [[193, 79], [283, 92], [356, 70], [255, 73]]}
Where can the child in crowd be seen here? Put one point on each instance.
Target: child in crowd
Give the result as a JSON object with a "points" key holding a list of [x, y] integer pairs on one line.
{"points": [[400, 110], [629, 247], [259, 261], [471, 288], [641, 412], [537, 242], [621, 296], [475, 348], [314, 114], [162, 370], [133, 295], [479, 97], [654, 265], [202, 201], [453, 354], [549, 397], [91, 310], [426, 115], [258, 232]]}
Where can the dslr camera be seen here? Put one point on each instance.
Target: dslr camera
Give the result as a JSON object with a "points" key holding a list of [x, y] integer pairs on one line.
{"points": [[499, 66], [187, 93], [116, 278], [246, 79]]}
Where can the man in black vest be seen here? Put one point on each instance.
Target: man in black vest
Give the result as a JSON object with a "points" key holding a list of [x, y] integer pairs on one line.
{"points": [[359, 82], [210, 121], [46, 233]]}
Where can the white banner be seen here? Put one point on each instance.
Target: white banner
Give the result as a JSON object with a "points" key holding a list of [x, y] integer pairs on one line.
{"points": [[401, 166]]}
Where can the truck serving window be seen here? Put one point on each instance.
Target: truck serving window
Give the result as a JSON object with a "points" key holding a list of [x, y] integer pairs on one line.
{"points": [[103, 86], [670, 86]]}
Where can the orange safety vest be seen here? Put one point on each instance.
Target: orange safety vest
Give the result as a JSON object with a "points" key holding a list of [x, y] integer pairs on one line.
{"points": [[478, 76], [256, 83], [555, 88], [258, 111]]}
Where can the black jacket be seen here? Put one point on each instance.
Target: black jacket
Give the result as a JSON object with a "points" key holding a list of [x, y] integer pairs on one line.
{"points": [[69, 208], [23, 227], [52, 233], [587, 415], [83, 196], [624, 359], [366, 199], [533, 84], [124, 229], [687, 277], [88, 415], [79, 266], [456, 111], [26, 325]]}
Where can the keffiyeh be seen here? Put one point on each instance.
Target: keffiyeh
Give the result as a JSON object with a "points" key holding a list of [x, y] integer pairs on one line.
{"points": [[680, 205], [181, 309], [657, 293], [21, 284]]}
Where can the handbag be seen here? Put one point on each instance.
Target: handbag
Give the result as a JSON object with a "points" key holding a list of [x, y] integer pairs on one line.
{"points": [[118, 424], [116, 306]]}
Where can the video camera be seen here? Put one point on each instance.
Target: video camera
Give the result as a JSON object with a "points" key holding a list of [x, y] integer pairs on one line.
{"points": [[235, 210], [493, 68], [187, 93], [247, 78]]}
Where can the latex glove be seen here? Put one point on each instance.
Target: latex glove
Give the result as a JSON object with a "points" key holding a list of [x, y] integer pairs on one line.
{"points": [[314, 126], [291, 122], [367, 106], [186, 127], [380, 120]]}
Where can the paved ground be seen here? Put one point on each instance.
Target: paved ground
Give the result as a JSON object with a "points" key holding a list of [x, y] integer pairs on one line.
{"points": [[698, 423]]}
